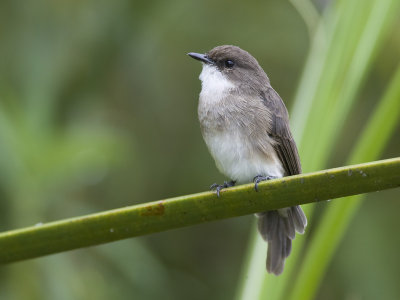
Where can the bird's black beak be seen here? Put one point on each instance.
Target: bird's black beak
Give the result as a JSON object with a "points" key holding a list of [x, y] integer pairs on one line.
{"points": [[202, 57]]}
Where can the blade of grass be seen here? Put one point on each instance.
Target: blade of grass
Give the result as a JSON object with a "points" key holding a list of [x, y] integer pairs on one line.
{"points": [[338, 216], [379, 20], [309, 14], [251, 282], [342, 91]]}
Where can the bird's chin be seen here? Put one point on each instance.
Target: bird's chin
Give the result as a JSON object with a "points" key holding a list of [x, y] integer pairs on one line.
{"points": [[215, 85]]}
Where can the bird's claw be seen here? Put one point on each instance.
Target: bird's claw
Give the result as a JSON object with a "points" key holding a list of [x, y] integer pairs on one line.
{"points": [[219, 187], [260, 178]]}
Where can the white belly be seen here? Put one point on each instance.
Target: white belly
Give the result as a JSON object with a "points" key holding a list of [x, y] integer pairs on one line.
{"points": [[236, 158]]}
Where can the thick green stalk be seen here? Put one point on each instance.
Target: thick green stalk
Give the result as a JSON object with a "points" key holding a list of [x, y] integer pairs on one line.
{"points": [[198, 208]]}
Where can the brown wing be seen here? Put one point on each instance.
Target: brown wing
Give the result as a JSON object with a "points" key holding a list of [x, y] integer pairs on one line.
{"points": [[285, 145]]}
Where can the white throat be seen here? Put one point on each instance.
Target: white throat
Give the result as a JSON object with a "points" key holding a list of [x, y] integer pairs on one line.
{"points": [[214, 84]]}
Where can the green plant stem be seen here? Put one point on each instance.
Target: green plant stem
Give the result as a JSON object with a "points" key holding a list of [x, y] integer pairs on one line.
{"points": [[198, 208]]}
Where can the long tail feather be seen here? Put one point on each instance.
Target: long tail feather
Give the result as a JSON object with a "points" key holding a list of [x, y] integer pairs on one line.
{"points": [[279, 228]]}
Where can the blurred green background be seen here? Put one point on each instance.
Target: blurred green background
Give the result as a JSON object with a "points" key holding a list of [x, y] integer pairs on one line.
{"points": [[98, 110]]}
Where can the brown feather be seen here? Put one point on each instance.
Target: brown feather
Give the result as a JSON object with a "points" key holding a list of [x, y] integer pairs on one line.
{"points": [[285, 145]]}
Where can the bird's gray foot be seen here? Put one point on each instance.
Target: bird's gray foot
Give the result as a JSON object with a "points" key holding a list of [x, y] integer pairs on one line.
{"points": [[219, 187], [260, 178]]}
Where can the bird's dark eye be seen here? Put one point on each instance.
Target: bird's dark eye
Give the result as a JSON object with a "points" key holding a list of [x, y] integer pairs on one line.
{"points": [[229, 63]]}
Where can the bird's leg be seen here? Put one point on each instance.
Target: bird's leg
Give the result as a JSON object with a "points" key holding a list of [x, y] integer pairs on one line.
{"points": [[219, 187], [260, 178]]}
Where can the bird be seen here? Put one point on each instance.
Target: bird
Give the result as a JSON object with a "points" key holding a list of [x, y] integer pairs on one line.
{"points": [[245, 125]]}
